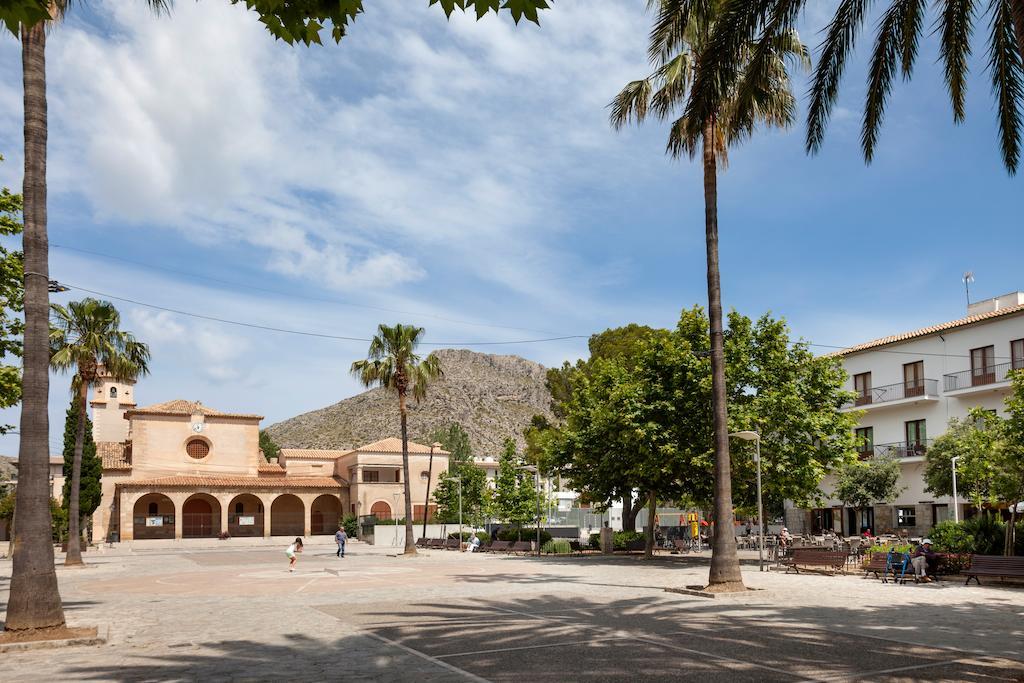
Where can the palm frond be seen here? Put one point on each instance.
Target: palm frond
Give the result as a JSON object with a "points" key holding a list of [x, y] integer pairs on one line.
{"points": [[912, 21], [671, 24], [956, 26], [631, 104], [1005, 63], [885, 60], [681, 141], [674, 76], [838, 43]]}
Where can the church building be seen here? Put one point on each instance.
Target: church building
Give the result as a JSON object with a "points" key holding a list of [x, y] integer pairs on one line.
{"points": [[182, 470]]}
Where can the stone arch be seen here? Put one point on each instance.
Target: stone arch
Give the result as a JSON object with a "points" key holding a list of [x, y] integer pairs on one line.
{"points": [[287, 516], [200, 516], [245, 515], [381, 509], [159, 525], [325, 513]]}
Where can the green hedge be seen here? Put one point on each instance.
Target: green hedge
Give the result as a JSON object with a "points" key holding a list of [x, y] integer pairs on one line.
{"points": [[619, 539], [523, 534], [558, 547], [981, 535]]}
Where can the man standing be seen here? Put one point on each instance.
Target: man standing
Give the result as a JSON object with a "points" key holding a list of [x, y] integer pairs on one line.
{"points": [[340, 539]]}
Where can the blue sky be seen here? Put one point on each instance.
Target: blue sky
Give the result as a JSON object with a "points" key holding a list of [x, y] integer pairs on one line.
{"points": [[465, 174]]}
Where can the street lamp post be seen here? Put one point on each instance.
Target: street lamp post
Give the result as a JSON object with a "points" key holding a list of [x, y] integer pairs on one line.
{"points": [[956, 505], [430, 473], [536, 473], [756, 438]]}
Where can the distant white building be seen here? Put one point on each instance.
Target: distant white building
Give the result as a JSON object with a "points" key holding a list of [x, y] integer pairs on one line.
{"points": [[909, 386]]}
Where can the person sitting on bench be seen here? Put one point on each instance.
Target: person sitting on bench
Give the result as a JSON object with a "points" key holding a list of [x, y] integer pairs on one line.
{"points": [[923, 559]]}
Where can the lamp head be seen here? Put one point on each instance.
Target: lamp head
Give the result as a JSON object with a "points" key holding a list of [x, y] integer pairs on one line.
{"points": [[747, 435]]}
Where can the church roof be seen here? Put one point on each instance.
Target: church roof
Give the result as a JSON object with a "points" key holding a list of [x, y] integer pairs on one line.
{"points": [[192, 481], [114, 454], [182, 407]]}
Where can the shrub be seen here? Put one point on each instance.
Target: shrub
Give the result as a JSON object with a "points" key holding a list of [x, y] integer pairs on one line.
{"points": [[558, 547], [595, 541], [483, 536], [989, 533], [621, 538], [351, 524], [466, 535], [952, 537], [523, 534]]}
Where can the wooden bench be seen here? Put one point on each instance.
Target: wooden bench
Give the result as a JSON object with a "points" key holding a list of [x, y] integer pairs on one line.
{"points": [[452, 544], [500, 547], [809, 557], [436, 544], [994, 565], [521, 547], [421, 543], [576, 548], [879, 565], [636, 546]]}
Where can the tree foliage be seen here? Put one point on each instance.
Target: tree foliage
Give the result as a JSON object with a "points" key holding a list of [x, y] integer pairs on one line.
{"points": [[645, 424], [977, 440], [269, 447], [90, 489], [862, 483], [515, 491], [303, 21], [455, 440], [12, 302]]}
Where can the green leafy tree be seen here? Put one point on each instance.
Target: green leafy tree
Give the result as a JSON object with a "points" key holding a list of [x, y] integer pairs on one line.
{"points": [[1010, 478], [90, 490], [977, 440], [895, 50], [303, 20], [393, 364], [455, 440], [12, 302], [515, 495], [87, 340], [35, 596], [760, 94], [860, 484], [269, 447]]}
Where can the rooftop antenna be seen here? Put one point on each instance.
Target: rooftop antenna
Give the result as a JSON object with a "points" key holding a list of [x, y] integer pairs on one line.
{"points": [[968, 279]]}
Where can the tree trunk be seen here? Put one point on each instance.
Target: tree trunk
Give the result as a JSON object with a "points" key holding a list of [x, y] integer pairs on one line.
{"points": [[426, 503], [649, 541], [629, 512], [34, 596], [725, 564], [410, 543], [74, 555]]}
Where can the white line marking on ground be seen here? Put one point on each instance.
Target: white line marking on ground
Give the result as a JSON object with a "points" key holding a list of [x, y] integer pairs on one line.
{"points": [[307, 584], [429, 658], [910, 667]]}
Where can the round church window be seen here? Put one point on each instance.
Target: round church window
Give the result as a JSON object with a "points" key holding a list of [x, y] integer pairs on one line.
{"points": [[197, 448]]}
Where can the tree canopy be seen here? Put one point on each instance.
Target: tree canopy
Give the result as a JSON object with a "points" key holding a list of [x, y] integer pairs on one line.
{"points": [[860, 484], [455, 440], [90, 490], [515, 491], [269, 447], [12, 303]]}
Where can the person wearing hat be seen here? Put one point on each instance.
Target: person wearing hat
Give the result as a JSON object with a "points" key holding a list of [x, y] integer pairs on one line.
{"points": [[922, 559]]}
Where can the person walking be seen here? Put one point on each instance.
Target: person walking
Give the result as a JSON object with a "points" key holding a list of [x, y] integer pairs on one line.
{"points": [[340, 537], [292, 552]]}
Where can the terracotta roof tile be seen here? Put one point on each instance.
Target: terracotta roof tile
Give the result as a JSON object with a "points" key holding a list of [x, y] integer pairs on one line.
{"points": [[116, 455], [394, 445], [183, 407], [270, 468], [193, 481], [934, 329], [311, 453]]}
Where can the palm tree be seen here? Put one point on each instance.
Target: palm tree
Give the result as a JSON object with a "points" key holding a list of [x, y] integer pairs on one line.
{"points": [[895, 50], [393, 364], [35, 599], [86, 338], [761, 93]]}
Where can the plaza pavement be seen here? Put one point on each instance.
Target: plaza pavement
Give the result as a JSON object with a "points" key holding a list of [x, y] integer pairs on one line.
{"points": [[235, 613]]}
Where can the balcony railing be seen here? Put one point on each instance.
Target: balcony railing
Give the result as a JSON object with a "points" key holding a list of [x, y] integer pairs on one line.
{"points": [[902, 449], [895, 392], [977, 377]]}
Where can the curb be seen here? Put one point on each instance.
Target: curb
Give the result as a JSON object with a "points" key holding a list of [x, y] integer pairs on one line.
{"points": [[101, 638]]}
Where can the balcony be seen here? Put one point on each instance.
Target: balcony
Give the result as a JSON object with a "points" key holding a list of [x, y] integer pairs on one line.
{"points": [[899, 449], [977, 380], [896, 394]]}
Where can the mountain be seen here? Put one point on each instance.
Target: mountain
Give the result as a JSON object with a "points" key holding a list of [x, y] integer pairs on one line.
{"points": [[492, 397]]}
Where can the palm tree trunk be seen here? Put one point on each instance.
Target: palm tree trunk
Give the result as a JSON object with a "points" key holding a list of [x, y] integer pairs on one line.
{"points": [[649, 531], [74, 555], [410, 544], [725, 564], [34, 596]]}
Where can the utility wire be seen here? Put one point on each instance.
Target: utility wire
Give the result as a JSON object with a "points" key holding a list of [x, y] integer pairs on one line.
{"points": [[291, 295]]}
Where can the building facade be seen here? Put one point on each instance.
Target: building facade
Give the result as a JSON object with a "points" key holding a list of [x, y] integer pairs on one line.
{"points": [[182, 470], [908, 387]]}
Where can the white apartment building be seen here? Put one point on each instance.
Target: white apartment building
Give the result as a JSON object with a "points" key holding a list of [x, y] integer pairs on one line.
{"points": [[908, 387]]}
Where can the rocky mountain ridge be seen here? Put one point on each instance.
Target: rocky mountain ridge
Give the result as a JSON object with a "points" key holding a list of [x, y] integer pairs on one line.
{"points": [[493, 397]]}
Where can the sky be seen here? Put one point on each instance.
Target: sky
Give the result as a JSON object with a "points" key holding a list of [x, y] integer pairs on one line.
{"points": [[462, 176]]}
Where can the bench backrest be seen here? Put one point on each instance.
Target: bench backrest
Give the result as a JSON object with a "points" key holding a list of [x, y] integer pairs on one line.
{"points": [[826, 558], [498, 546], [451, 543], [878, 560], [521, 546], [997, 562]]}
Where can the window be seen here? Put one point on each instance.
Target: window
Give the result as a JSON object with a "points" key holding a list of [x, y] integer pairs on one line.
{"points": [[371, 476], [906, 517], [862, 385], [113, 392], [917, 438], [424, 475], [238, 508], [865, 440], [197, 448], [913, 379], [1017, 354], [153, 509], [940, 513], [983, 365]]}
